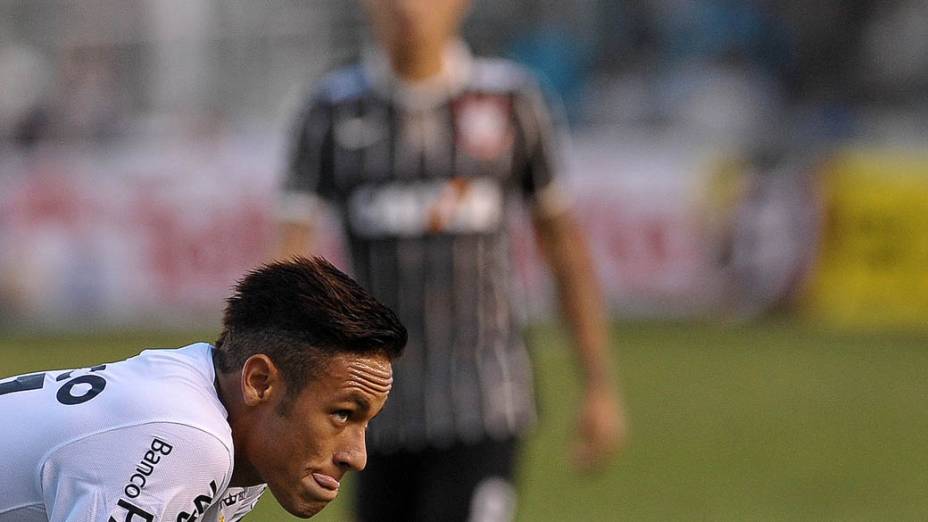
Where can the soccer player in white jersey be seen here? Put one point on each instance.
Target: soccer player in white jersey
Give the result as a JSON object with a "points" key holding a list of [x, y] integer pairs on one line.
{"points": [[281, 402]]}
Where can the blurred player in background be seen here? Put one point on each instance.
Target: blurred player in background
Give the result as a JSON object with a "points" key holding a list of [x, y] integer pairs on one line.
{"points": [[422, 149], [302, 365]]}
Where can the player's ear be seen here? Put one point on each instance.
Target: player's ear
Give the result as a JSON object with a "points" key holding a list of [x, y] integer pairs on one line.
{"points": [[261, 379]]}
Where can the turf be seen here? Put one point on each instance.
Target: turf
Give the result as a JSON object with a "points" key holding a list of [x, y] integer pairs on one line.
{"points": [[769, 421]]}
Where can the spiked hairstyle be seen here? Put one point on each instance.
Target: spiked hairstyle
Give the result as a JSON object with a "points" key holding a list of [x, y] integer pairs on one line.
{"points": [[300, 312]]}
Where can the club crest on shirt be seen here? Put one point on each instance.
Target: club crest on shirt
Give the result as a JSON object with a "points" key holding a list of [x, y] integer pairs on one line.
{"points": [[483, 125]]}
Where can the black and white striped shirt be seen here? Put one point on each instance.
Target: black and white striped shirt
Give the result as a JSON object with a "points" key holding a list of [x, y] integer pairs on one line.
{"points": [[423, 177]]}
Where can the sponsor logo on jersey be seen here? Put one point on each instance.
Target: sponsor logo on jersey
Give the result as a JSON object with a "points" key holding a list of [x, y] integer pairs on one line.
{"points": [[417, 208], [126, 509], [156, 451], [234, 498], [200, 504], [130, 513], [483, 125]]}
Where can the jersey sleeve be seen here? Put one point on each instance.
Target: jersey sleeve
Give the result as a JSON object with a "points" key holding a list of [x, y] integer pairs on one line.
{"points": [[543, 159], [308, 178], [144, 473]]}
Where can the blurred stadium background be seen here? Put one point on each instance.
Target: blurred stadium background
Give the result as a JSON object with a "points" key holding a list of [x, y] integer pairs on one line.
{"points": [[753, 175]]}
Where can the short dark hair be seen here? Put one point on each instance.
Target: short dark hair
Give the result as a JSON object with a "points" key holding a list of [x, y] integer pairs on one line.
{"points": [[300, 312]]}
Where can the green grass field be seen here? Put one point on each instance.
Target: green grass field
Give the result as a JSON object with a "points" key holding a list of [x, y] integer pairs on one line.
{"points": [[771, 421]]}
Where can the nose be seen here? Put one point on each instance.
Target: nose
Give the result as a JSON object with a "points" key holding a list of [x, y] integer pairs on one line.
{"points": [[354, 454]]}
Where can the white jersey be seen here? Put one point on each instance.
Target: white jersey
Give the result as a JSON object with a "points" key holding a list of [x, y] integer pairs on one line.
{"points": [[140, 440]]}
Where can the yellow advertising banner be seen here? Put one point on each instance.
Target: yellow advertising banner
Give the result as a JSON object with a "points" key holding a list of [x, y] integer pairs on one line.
{"points": [[872, 268]]}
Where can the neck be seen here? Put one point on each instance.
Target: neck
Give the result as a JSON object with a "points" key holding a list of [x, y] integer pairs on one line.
{"points": [[227, 385], [418, 63]]}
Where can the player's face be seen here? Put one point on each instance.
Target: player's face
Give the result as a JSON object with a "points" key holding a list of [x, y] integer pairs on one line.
{"points": [[405, 24], [306, 451]]}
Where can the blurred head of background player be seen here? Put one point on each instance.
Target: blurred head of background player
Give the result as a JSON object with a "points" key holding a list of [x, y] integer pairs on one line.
{"points": [[415, 32], [303, 363]]}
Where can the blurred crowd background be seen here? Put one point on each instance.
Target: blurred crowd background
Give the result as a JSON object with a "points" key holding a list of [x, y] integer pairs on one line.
{"points": [[730, 158]]}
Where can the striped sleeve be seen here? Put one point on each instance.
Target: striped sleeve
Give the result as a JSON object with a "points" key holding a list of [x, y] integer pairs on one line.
{"points": [[308, 178], [543, 152]]}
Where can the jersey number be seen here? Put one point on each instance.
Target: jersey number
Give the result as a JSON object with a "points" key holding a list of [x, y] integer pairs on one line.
{"points": [[65, 394]]}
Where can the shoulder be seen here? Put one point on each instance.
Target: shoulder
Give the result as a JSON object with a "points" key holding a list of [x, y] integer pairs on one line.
{"points": [[501, 76], [342, 85], [338, 87], [157, 440], [532, 99], [173, 386], [151, 442]]}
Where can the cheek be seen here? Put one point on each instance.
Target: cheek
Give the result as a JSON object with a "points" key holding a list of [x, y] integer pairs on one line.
{"points": [[318, 439], [283, 447], [305, 443]]}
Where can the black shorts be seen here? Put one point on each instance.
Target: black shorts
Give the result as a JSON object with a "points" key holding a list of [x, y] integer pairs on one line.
{"points": [[461, 483]]}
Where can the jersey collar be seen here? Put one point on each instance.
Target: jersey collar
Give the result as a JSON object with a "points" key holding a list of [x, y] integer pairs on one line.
{"points": [[425, 94]]}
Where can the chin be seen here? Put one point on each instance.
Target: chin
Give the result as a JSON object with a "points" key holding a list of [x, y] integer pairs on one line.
{"points": [[297, 505], [305, 509]]}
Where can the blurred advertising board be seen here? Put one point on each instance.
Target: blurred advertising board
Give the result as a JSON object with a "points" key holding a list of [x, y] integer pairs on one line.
{"points": [[145, 235], [873, 265], [155, 233]]}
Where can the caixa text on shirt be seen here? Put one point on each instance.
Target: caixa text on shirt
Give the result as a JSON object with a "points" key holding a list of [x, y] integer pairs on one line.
{"points": [[137, 481], [462, 205]]}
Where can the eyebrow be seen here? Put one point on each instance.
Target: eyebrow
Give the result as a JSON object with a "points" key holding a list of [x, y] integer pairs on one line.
{"points": [[360, 400], [363, 404]]}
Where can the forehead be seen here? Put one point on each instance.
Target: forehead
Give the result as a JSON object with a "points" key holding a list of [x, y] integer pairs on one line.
{"points": [[371, 373]]}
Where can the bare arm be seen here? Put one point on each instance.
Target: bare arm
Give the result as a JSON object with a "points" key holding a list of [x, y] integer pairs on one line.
{"points": [[601, 429]]}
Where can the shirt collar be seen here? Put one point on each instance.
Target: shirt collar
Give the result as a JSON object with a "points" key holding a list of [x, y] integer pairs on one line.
{"points": [[425, 94]]}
